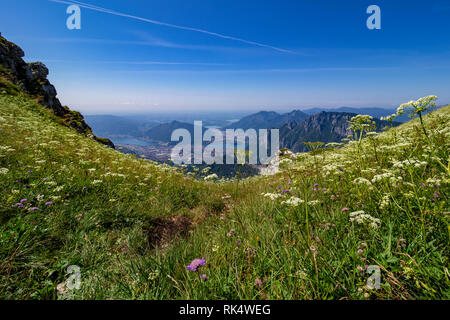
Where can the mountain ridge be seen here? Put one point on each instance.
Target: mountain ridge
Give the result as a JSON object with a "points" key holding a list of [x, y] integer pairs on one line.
{"points": [[323, 126], [31, 78], [267, 120]]}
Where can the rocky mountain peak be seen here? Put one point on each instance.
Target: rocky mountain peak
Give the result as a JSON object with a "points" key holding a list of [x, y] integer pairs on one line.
{"points": [[31, 78]]}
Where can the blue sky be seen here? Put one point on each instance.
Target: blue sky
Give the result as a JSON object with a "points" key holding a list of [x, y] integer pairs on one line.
{"points": [[235, 55]]}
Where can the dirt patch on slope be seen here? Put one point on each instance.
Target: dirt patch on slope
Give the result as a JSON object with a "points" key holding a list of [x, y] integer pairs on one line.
{"points": [[163, 230]]}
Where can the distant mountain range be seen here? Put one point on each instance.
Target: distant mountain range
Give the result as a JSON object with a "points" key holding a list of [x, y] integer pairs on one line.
{"points": [[268, 120], [113, 126], [296, 127]]}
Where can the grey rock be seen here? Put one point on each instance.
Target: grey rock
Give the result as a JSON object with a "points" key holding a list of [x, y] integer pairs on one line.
{"points": [[32, 79]]}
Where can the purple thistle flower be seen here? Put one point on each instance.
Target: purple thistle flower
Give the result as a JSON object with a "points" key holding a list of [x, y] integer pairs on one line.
{"points": [[204, 277], [284, 191], [279, 187], [44, 179], [20, 205], [344, 209], [23, 200], [258, 283], [422, 184], [290, 182], [195, 264], [29, 171], [33, 208], [316, 185], [48, 203]]}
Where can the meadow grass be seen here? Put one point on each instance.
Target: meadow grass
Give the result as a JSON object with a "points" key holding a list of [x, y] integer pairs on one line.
{"points": [[309, 232]]}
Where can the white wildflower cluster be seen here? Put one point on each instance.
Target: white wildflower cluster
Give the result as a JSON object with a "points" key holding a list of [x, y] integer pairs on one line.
{"points": [[4, 170], [369, 171], [421, 105], [272, 196], [330, 169], [361, 180], [206, 170], [445, 131], [393, 179], [4, 148], [434, 182], [395, 147], [211, 177], [293, 201], [112, 174], [361, 123], [313, 202], [408, 163], [287, 154], [285, 162], [362, 218], [381, 176], [385, 201], [409, 195], [390, 117]]}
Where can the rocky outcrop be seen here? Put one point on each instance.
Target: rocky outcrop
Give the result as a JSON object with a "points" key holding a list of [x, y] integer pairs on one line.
{"points": [[323, 126], [31, 78]]}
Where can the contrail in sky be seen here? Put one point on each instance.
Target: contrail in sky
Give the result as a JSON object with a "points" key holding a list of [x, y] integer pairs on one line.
{"points": [[219, 35]]}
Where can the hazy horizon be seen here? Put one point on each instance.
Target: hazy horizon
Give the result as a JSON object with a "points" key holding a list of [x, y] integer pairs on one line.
{"points": [[92, 112]]}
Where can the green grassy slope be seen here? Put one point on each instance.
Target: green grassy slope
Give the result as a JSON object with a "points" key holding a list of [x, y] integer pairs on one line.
{"points": [[68, 200], [123, 220]]}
